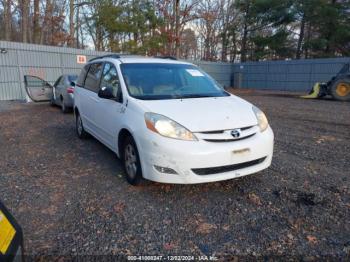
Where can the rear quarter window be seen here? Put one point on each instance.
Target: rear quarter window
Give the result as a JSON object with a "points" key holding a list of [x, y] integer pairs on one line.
{"points": [[92, 81], [82, 76]]}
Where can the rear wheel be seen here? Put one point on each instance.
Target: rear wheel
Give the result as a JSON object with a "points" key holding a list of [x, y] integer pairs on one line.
{"points": [[52, 101], [80, 128], [340, 90], [132, 164], [64, 107]]}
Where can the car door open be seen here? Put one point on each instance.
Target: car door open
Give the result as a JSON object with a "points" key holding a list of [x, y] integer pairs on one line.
{"points": [[38, 89]]}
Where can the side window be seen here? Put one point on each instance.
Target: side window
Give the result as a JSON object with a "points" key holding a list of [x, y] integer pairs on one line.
{"points": [[34, 81], [93, 77], [110, 79], [82, 76]]}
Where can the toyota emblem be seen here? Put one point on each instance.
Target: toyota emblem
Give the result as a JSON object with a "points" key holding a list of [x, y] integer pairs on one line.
{"points": [[235, 133]]}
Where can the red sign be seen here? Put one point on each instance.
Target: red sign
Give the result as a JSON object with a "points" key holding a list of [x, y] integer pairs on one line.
{"points": [[81, 59]]}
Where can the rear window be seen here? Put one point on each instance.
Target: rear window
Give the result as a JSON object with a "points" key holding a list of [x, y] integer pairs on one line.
{"points": [[72, 78]]}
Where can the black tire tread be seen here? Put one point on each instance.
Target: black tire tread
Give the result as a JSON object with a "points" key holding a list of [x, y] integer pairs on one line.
{"points": [[334, 93], [83, 134], [139, 178]]}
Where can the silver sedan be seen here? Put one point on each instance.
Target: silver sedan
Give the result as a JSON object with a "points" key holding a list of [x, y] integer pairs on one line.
{"points": [[63, 92]]}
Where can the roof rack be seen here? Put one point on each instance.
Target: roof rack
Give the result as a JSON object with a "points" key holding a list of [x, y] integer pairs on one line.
{"points": [[116, 56], [166, 57], [104, 56]]}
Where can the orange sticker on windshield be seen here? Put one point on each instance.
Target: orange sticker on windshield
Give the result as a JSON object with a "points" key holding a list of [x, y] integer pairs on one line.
{"points": [[7, 233]]}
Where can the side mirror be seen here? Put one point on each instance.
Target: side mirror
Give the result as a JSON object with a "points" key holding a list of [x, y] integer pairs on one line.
{"points": [[72, 84], [106, 92]]}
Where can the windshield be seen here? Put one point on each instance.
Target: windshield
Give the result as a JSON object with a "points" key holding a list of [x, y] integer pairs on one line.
{"points": [[152, 81]]}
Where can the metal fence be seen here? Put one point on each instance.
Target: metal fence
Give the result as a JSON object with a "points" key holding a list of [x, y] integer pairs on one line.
{"points": [[47, 62], [294, 75], [18, 59]]}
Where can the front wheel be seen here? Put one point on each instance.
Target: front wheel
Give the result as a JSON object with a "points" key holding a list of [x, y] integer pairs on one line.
{"points": [[132, 164], [340, 90]]}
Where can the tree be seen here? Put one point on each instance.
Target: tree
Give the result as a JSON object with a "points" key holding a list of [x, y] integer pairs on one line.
{"points": [[36, 25], [208, 25], [166, 12], [24, 7], [188, 48], [71, 23], [228, 16], [177, 27], [213, 30], [7, 19], [262, 23]]}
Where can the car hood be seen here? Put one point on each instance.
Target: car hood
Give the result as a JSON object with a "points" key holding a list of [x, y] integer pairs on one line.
{"points": [[205, 114]]}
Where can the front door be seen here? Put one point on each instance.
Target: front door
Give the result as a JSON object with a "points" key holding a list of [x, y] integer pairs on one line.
{"points": [[38, 89], [110, 111]]}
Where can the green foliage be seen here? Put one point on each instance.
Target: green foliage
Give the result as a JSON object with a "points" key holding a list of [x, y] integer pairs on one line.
{"points": [[273, 46], [135, 22], [274, 27]]}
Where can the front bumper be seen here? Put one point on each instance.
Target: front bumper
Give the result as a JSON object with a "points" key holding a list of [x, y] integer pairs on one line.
{"points": [[187, 157]]}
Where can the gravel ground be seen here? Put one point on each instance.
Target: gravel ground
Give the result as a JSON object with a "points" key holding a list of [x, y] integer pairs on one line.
{"points": [[71, 198]]}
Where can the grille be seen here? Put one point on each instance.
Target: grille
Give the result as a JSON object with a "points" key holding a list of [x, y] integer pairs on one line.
{"points": [[247, 127], [213, 132], [223, 169], [228, 140], [219, 136], [222, 131]]}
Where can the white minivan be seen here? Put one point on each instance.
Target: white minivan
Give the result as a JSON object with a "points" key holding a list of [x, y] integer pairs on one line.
{"points": [[169, 121]]}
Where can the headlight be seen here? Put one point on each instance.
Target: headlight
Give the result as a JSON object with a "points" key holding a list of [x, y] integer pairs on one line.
{"points": [[167, 127], [262, 120]]}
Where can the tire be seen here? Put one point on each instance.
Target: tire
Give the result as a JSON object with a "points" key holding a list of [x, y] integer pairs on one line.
{"points": [[340, 90], [64, 108], [80, 128], [131, 162], [52, 101]]}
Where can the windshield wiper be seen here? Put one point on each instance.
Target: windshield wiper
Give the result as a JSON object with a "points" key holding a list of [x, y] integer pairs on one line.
{"points": [[191, 96]]}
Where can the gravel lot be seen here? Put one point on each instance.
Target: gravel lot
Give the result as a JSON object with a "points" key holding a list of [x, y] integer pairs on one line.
{"points": [[71, 198]]}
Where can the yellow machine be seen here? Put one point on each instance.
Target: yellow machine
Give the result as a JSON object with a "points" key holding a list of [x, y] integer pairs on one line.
{"points": [[11, 237], [338, 87]]}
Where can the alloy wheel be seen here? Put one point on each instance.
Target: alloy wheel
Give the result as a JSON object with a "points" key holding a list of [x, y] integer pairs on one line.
{"points": [[130, 160]]}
